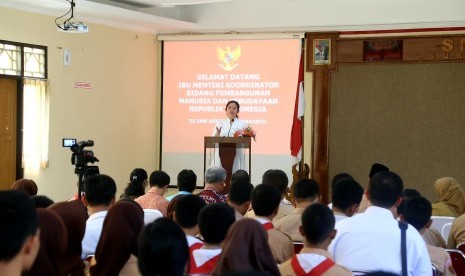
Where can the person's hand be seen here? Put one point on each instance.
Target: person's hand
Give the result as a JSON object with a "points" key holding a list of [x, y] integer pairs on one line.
{"points": [[218, 131]]}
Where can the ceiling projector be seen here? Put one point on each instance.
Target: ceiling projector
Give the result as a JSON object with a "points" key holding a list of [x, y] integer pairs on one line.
{"points": [[72, 27]]}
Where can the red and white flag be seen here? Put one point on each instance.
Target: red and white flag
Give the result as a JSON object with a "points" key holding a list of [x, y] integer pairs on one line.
{"points": [[299, 110]]}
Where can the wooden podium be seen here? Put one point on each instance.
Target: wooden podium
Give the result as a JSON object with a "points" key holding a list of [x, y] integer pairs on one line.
{"points": [[227, 145]]}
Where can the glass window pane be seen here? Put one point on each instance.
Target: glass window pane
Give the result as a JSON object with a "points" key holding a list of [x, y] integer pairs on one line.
{"points": [[10, 59], [34, 62]]}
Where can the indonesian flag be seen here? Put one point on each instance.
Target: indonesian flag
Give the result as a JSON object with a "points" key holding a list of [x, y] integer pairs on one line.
{"points": [[299, 110]]}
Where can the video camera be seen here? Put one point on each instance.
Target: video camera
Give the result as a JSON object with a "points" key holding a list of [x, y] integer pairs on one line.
{"points": [[81, 157]]}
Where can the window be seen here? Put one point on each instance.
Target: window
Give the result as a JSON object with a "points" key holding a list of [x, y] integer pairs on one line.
{"points": [[29, 63]]}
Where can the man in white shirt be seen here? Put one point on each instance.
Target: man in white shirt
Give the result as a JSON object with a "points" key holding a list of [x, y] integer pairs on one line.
{"points": [[100, 193], [370, 241]]}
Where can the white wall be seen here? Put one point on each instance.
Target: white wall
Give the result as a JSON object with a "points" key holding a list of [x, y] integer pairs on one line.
{"points": [[120, 113]]}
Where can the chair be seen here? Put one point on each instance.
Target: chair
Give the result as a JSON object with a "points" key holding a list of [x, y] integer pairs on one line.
{"points": [[298, 246], [461, 247], [458, 260], [435, 271], [439, 221], [446, 230], [151, 215]]}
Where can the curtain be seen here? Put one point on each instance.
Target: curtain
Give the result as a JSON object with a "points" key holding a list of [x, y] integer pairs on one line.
{"points": [[36, 102]]}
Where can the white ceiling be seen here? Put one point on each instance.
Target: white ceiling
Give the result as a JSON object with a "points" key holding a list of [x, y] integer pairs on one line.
{"points": [[194, 16]]}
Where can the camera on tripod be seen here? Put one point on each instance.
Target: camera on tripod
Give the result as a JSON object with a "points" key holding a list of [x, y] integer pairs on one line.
{"points": [[81, 157]]}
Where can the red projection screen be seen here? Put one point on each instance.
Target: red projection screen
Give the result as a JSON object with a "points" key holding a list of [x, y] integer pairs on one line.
{"points": [[198, 82]]}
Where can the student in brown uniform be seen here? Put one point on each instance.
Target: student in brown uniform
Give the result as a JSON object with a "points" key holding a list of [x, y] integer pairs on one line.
{"points": [[314, 259], [265, 204]]}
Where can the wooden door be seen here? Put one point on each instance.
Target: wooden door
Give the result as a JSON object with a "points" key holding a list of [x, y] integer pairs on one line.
{"points": [[8, 126]]}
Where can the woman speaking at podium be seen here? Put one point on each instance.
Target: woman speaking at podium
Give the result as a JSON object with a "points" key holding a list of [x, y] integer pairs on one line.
{"points": [[228, 156]]}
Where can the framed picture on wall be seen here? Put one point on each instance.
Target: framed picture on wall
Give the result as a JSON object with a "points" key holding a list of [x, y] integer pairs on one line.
{"points": [[321, 51]]}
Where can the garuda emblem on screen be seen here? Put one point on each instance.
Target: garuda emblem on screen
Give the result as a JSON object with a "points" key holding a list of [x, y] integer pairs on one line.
{"points": [[228, 58]]}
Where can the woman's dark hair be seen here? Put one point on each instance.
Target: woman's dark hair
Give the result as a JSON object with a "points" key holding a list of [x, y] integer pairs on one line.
{"points": [[135, 187], [234, 102]]}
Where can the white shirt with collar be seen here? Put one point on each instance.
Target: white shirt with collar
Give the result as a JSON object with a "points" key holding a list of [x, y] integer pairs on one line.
{"points": [[370, 241], [94, 227]]}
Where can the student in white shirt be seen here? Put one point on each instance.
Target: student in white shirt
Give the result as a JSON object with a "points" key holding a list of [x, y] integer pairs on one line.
{"points": [[100, 193], [370, 241]]}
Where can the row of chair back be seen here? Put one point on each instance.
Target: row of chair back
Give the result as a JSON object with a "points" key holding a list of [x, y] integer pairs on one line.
{"points": [[458, 258]]}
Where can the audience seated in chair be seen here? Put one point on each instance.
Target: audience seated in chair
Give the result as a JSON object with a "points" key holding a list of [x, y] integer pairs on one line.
{"points": [[306, 192], [370, 241], [451, 198], [431, 236], [162, 250], [239, 196], [186, 181], [417, 212], [19, 233], [53, 242], [318, 229], [346, 195], [117, 248], [280, 181], [246, 251], [186, 215], [100, 196], [74, 215], [457, 232], [153, 199], [137, 184], [214, 185], [265, 203], [214, 222], [337, 178]]}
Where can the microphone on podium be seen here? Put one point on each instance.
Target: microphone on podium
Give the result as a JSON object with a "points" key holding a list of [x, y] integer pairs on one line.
{"points": [[230, 126]]}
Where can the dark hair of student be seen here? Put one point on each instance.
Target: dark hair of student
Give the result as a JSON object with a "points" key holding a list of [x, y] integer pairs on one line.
{"points": [[159, 179], [417, 211], [163, 249], [172, 205], [187, 210], [240, 191], [19, 221], [100, 189], [241, 175], [42, 201], [345, 193], [306, 189], [265, 199], [385, 189], [317, 222], [340, 177], [187, 180], [276, 178], [136, 187], [214, 222], [406, 194]]}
